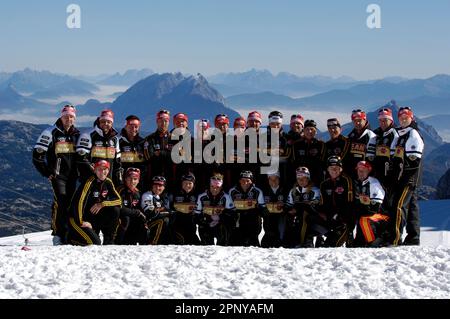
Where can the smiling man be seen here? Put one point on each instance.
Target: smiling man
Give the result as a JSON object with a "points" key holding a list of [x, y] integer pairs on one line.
{"points": [[54, 158]]}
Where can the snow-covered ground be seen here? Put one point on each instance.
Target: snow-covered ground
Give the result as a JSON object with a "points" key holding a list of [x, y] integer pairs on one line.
{"points": [[45, 271]]}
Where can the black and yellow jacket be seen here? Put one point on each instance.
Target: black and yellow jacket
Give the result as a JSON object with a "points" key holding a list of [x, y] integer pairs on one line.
{"points": [[91, 192], [385, 143], [132, 152], [339, 146], [95, 145], [336, 198], [311, 154], [131, 201], [54, 152], [182, 202]]}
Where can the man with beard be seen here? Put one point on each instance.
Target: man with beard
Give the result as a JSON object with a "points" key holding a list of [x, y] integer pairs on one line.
{"points": [[362, 142], [101, 143]]}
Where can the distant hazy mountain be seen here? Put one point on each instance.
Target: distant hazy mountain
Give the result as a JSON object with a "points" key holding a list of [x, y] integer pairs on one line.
{"points": [[436, 164], [428, 96], [429, 105], [93, 78], [4, 76], [439, 121], [443, 186], [259, 99], [72, 87], [175, 92], [130, 77], [254, 81], [375, 93], [92, 107], [46, 84], [11, 101]]}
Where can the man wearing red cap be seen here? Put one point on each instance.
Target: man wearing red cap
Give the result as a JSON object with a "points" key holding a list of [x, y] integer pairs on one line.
{"points": [[370, 219], [54, 157], [406, 173], [131, 229], [100, 143], [157, 149], [251, 150], [180, 121], [202, 170], [222, 123], [95, 207], [362, 142], [283, 150], [296, 129], [132, 146], [386, 139]]}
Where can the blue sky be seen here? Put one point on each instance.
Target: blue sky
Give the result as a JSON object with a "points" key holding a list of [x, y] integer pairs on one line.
{"points": [[302, 37]]}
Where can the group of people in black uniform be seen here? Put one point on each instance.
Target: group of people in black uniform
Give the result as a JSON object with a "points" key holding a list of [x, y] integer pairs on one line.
{"points": [[355, 191]]}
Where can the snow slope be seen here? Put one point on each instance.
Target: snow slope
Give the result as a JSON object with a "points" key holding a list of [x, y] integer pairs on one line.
{"points": [[230, 272]]}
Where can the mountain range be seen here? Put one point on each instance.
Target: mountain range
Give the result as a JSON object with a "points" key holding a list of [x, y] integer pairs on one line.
{"points": [[128, 78], [12, 101], [45, 84], [173, 91], [427, 96], [255, 81]]}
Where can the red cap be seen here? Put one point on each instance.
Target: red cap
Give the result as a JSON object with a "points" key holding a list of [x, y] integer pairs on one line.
{"points": [[239, 122], [364, 164], [359, 115], [179, 117], [102, 163], [163, 114], [221, 119], [133, 172], [107, 115], [133, 122], [159, 180], [385, 114], [255, 116], [406, 111], [203, 124], [68, 110], [297, 118]]}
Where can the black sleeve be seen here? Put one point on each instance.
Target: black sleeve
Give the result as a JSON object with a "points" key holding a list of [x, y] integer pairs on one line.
{"points": [[84, 165], [39, 161]]}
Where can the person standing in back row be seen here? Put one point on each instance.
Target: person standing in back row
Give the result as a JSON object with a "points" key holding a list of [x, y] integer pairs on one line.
{"points": [[54, 158], [405, 173]]}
